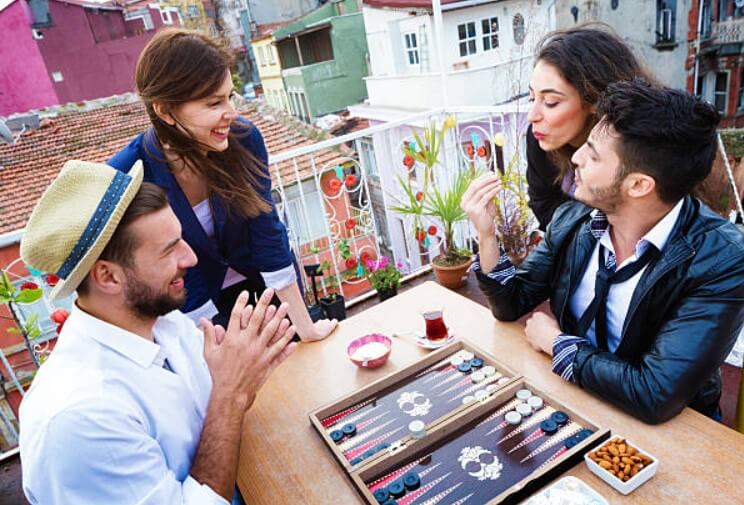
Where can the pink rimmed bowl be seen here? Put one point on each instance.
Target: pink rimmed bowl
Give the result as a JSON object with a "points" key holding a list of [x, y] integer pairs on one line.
{"points": [[357, 343]]}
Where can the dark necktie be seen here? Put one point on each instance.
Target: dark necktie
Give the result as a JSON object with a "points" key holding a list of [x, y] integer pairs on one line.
{"points": [[167, 366], [606, 276]]}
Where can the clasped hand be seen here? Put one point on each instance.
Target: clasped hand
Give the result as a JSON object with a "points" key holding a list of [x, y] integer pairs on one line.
{"points": [[256, 341]]}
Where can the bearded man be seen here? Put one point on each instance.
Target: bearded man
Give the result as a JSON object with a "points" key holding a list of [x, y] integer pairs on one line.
{"points": [[135, 403]]}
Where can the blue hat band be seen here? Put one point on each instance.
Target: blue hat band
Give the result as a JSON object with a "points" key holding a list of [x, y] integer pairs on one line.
{"points": [[97, 222]]}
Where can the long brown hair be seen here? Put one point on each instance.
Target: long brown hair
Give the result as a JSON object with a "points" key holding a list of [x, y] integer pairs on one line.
{"points": [[589, 57], [178, 66]]}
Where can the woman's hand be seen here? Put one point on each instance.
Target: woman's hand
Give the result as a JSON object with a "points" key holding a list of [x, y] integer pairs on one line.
{"points": [[478, 203], [321, 329]]}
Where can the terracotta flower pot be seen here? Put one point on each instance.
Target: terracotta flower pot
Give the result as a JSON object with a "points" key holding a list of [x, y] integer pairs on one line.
{"points": [[451, 277]]}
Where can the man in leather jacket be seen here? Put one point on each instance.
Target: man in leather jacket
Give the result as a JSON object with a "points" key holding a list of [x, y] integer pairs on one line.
{"points": [[646, 284]]}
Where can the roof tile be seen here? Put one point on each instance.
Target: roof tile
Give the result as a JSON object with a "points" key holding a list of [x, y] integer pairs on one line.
{"points": [[29, 166]]}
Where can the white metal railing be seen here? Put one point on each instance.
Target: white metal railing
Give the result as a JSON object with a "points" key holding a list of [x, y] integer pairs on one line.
{"points": [[355, 213], [730, 30]]}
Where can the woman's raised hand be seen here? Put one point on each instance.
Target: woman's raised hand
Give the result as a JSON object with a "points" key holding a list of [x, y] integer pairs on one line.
{"points": [[477, 202]]}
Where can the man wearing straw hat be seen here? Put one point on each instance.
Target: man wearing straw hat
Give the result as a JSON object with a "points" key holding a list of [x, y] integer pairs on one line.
{"points": [[135, 404]]}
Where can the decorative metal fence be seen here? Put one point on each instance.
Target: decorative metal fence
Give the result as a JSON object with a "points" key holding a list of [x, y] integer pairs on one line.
{"points": [[337, 209]]}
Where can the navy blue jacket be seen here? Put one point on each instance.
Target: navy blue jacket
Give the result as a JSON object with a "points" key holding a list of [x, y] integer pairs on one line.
{"points": [[683, 319], [249, 246]]}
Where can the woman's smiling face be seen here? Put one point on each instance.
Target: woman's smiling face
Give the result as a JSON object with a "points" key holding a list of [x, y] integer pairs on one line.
{"points": [[557, 113], [208, 119]]}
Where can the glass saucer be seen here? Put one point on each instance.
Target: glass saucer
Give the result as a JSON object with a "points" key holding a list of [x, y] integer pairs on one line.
{"points": [[424, 342]]}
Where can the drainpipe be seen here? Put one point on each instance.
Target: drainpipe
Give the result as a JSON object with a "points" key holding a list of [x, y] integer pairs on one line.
{"points": [[437, 8], [697, 48]]}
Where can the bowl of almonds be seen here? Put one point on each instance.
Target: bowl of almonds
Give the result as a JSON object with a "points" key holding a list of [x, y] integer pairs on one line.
{"points": [[621, 464]]}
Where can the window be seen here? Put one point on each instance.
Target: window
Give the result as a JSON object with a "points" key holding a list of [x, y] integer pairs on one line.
{"points": [[466, 36], [193, 11], [722, 9], [270, 50], [307, 224], [666, 13], [166, 17], [367, 152], [707, 17], [490, 29], [721, 92], [411, 44], [700, 88], [740, 104], [518, 29], [261, 56]]}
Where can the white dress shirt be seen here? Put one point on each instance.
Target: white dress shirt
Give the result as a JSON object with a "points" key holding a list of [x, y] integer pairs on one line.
{"points": [[105, 423], [620, 294]]}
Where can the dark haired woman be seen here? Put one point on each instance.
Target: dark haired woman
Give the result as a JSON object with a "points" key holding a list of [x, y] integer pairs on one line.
{"points": [[573, 68], [213, 165]]}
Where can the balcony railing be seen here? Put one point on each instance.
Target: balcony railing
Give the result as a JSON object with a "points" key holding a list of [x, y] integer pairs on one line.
{"points": [[731, 30], [344, 197]]}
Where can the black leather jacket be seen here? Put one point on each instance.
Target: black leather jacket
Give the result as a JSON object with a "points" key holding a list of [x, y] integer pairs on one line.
{"points": [[683, 319]]}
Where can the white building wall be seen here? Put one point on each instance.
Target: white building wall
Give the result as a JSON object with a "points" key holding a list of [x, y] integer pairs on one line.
{"points": [[483, 78], [635, 22]]}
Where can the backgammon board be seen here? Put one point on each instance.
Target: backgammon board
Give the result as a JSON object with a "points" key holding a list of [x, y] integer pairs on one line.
{"points": [[377, 417], [493, 447]]}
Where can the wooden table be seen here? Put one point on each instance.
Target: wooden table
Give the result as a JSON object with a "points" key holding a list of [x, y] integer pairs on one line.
{"points": [[284, 461]]}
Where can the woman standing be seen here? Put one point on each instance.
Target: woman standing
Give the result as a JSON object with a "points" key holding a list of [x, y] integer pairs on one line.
{"points": [[213, 165], [573, 68]]}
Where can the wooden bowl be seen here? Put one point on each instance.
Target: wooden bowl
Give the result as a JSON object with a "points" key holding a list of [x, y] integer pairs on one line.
{"points": [[369, 361]]}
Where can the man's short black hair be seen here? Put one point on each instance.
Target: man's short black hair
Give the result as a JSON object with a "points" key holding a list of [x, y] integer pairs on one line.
{"points": [[667, 134]]}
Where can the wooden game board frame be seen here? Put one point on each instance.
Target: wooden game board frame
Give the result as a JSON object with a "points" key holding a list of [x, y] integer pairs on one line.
{"points": [[446, 425], [518, 491], [379, 385]]}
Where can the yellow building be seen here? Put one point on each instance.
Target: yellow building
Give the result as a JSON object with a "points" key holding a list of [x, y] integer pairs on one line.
{"points": [[193, 15], [269, 68]]}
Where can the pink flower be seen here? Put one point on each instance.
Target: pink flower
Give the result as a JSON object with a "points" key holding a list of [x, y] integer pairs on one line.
{"points": [[384, 261]]}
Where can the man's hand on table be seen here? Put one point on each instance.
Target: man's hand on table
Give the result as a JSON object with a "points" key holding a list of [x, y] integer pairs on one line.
{"points": [[541, 331]]}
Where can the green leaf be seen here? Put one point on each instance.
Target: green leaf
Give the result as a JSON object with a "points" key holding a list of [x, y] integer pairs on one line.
{"points": [[6, 288], [15, 331], [29, 295], [31, 321]]}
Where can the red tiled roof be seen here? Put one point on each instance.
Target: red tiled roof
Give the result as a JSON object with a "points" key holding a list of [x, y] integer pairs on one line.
{"points": [[267, 29], [421, 4], [29, 166]]}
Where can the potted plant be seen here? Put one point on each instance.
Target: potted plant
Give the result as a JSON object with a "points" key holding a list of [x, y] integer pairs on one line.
{"points": [[383, 276], [333, 302], [311, 299], [515, 225], [443, 204]]}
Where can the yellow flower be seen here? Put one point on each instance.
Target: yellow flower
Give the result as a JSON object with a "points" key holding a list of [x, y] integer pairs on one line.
{"points": [[499, 139], [449, 122]]}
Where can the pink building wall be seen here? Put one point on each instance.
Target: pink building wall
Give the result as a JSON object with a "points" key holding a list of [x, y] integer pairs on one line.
{"points": [[24, 82], [95, 52]]}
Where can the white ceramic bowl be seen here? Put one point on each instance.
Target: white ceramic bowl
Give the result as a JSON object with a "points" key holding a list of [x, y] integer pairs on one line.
{"points": [[631, 484]]}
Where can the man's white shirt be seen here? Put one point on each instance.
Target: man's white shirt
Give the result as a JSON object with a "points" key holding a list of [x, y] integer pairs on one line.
{"points": [[104, 422]]}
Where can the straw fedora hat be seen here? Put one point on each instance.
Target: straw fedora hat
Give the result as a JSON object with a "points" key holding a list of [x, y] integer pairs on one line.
{"points": [[75, 219]]}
